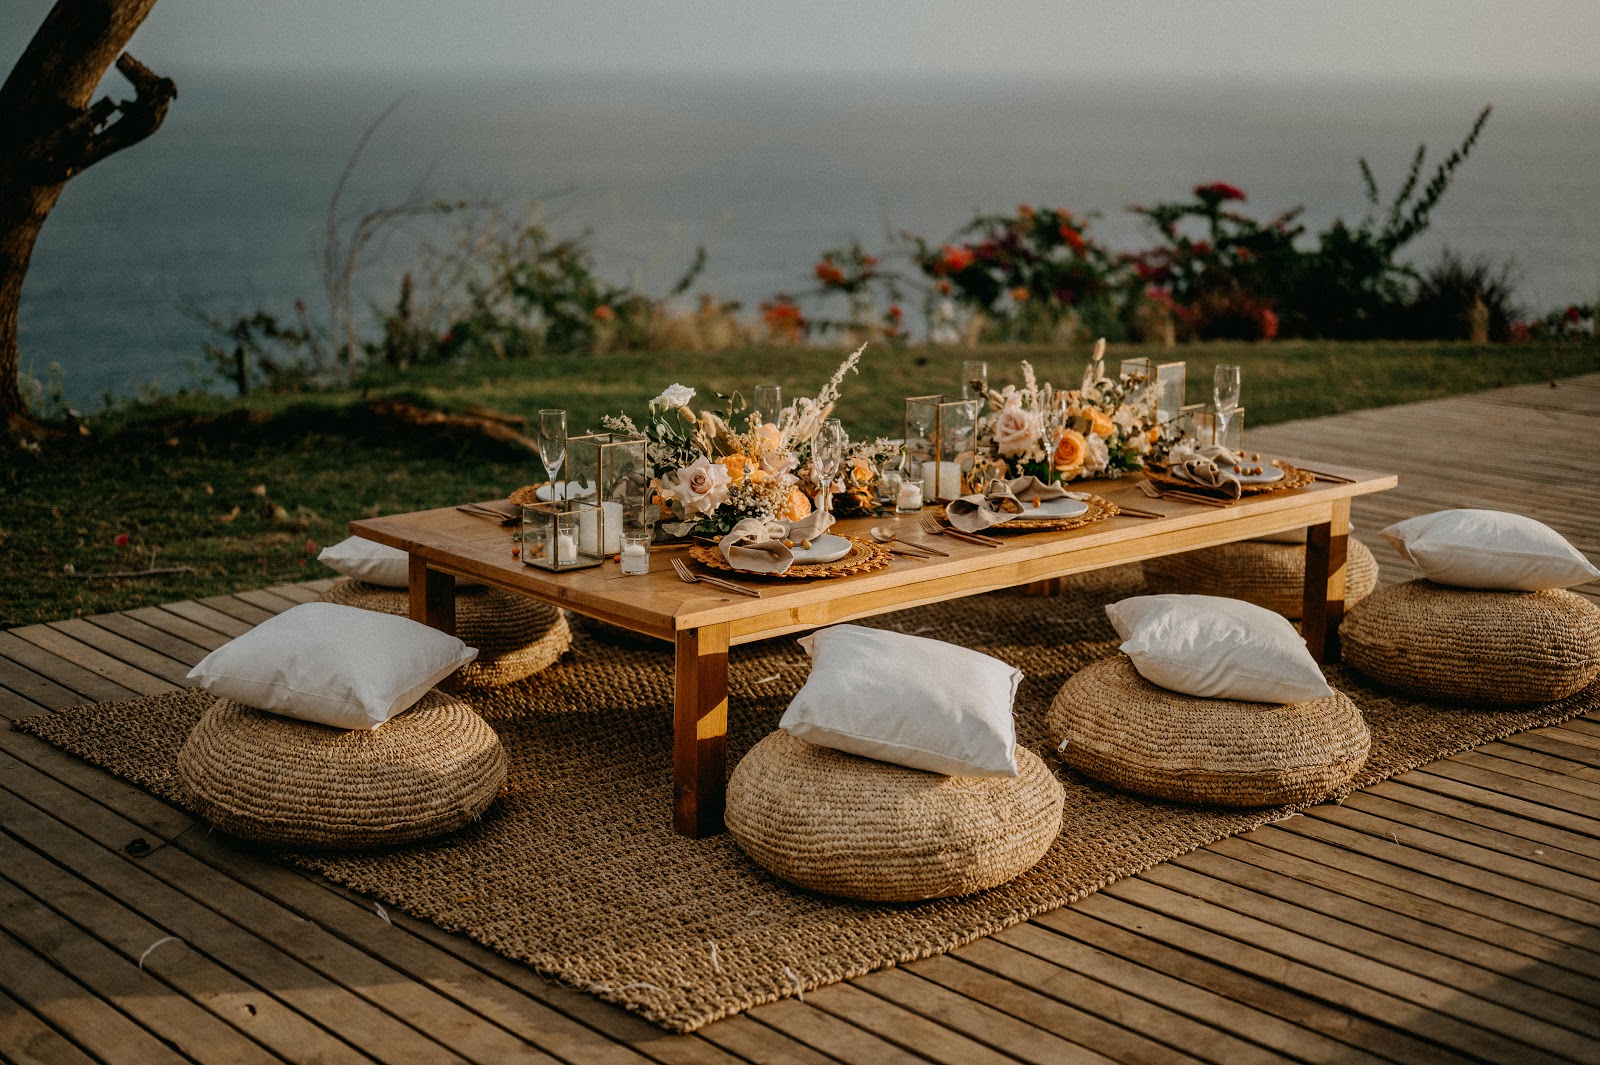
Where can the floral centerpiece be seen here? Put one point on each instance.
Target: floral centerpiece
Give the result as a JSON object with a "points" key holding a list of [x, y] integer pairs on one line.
{"points": [[1106, 427], [711, 472]]}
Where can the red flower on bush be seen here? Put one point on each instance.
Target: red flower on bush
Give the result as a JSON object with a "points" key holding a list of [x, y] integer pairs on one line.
{"points": [[1269, 323], [783, 319], [1520, 332], [1219, 192], [1573, 315], [1201, 249], [895, 313], [1073, 239], [829, 274], [121, 540]]}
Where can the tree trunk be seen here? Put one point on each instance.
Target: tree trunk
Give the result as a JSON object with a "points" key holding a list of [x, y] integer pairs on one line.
{"points": [[49, 132]]}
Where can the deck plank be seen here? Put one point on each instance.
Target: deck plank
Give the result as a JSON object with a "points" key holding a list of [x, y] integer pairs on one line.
{"points": [[1447, 914]]}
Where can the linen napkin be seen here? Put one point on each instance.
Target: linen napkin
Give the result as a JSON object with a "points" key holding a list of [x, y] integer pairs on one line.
{"points": [[757, 546], [1001, 500], [1211, 467]]}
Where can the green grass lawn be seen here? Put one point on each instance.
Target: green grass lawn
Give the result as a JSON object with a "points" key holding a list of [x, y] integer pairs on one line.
{"points": [[246, 493]]}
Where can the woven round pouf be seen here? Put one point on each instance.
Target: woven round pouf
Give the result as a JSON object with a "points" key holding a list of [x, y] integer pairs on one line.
{"points": [[1266, 574], [515, 636], [431, 770], [863, 829], [1121, 729], [1499, 648]]}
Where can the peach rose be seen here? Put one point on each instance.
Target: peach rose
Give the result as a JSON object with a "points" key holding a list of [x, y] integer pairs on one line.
{"points": [[1071, 452], [797, 507], [1100, 424], [738, 466], [700, 487]]}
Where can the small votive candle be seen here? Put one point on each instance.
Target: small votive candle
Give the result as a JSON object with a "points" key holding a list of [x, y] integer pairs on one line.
{"points": [[635, 554], [566, 548], [910, 497]]}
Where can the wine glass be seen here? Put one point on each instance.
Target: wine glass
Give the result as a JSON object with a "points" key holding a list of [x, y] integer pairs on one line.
{"points": [[1225, 394], [553, 447], [827, 453], [974, 380], [768, 403]]}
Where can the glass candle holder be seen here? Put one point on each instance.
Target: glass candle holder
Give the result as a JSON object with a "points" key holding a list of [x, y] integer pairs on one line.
{"points": [[909, 498], [889, 482], [614, 465], [635, 554], [940, 435], [553, 534], [1168, 380]]}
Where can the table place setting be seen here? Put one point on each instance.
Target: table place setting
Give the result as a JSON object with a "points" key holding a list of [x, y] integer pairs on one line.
{"points": [[1026, 504]]}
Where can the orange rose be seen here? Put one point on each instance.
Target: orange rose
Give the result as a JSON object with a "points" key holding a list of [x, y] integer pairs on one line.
{"points": [[737, 466], [1099, 424], [760, 476], [797, 507], [860, 473], [1070, 452]]}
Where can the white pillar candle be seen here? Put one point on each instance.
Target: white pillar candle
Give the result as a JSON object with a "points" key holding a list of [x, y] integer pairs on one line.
{"points": [[941, 480], [567, 548], [613, 527]]}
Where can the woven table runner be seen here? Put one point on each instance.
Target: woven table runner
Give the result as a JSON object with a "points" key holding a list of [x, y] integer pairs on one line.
{"points": [[577, 872]]}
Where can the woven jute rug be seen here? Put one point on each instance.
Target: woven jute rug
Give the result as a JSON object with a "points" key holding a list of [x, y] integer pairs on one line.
{"points": [[576, 871]]}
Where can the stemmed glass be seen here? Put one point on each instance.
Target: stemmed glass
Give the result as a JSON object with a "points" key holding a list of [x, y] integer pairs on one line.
{"points": [[827, 453], [974, 380], [768, 403], [553, 447], [1225, 393]]}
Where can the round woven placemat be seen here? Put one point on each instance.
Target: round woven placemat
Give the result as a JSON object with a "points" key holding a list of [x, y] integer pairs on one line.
{"points": [[1293, 477], [1121, 729], [1099, 510], [1495, 648], [845, 825], [515, 636], [864, 557], [1266, 574], [431, 770]]}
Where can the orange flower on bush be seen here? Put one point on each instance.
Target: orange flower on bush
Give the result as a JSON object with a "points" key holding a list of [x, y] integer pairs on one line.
{"points": [[1019, 294], [1269, 323], [956, 258], [1070, 452], [1073, 239], [783, 320], [829, 274], [603, 313]]}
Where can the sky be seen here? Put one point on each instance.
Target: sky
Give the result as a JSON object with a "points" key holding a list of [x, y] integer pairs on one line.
{"points": [[1517, 40]]}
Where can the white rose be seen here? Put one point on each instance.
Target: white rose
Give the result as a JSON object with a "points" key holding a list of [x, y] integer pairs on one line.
{"points": [[700, 487], [1096, 456], [675, 396], [1016, 430]]}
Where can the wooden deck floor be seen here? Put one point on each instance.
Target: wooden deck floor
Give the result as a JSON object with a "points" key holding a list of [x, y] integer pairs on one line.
{"points": [[1452, 914]]}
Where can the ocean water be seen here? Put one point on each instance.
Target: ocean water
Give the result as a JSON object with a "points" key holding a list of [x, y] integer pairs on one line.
{"points": [[223, 209]]}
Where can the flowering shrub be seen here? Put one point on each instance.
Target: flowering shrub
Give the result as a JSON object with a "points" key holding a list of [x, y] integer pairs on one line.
{"points": [[1027, 274], [858, 276], [1575, 320]]}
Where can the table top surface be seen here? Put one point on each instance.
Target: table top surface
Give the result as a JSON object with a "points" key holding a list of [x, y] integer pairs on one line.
{"points": [[660, 604]]}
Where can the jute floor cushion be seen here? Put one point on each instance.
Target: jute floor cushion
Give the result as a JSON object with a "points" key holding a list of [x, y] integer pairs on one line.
{"points": [[431, 770], [1266, 574], [851, 826], [1124, 731], [1500, 648], [515, 636]]}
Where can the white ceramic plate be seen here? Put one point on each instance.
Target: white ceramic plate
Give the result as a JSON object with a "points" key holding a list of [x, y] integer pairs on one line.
{"points": [[572, 490], [1267, 475], [1051, 508], [825, 548]]}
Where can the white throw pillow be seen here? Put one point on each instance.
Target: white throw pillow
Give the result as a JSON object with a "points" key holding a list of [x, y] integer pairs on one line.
{"points": [[335, 665], [907, 700], [1490, 549], [1217, 649], [369, 561]]}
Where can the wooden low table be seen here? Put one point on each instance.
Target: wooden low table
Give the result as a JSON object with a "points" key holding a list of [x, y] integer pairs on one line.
{"points": [[702, 622]]}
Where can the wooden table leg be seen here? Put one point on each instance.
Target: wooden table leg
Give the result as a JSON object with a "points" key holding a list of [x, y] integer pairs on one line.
{"points": [[700, 731], [433, 596], [1323, 605]]}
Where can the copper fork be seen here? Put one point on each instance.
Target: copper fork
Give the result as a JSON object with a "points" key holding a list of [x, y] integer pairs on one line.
{"points": [[690, 577]]}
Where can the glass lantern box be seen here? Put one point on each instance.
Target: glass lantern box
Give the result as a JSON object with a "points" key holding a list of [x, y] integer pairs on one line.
{"points": [[611, 470], [1167, 379], [553, 534], [1201, 423], [940, 435]]}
